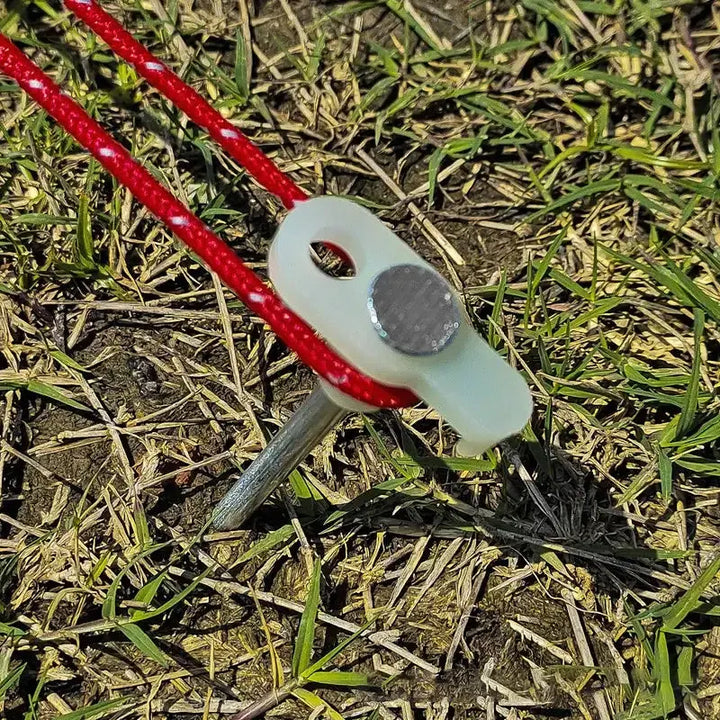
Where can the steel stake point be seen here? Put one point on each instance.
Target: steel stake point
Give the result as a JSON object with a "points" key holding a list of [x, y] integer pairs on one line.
{"points": [[293, 442]]}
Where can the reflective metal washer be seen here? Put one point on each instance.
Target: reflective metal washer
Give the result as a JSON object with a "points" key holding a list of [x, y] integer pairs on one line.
{"points": [[413, 309]]}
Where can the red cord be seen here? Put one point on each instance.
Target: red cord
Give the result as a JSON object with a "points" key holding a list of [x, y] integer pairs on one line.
{"points": [[217, 255], [193, 105], [162, 78]]}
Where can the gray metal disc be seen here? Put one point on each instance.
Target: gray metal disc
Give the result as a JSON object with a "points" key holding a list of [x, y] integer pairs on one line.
{"points": [[413, 309]]}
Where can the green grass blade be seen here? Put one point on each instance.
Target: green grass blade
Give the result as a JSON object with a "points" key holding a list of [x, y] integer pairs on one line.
{"points": [[688, 601], [398, 8], [340, 678], [11, 679], [37, 387], [690, 401], [144, 643], [594, 188], [569, 284], [242, 67], [109, 603], [664, 690], [67, 361], [306, 632], [108, 606], [686, 654], [681, 285], [493, 337], [311, 70], [146, 594], [330, 656], [622, 87], [459, 464], [51, 392], [658, 107], [304, 491], [433, 169], [42, 219], [707, 433], [666, 473], [84, 247], [11, 630], [97, 710], [544, 264], [315, 702], [365, 498], [273, 538], [670, 276], [165, 607], [382, 447]]}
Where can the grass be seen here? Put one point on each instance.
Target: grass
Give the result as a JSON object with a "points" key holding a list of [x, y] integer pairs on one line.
{"points": [[559, 163]]}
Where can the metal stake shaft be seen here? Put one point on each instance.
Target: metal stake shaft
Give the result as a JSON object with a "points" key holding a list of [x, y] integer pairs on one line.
{"points": [[293, 442]]}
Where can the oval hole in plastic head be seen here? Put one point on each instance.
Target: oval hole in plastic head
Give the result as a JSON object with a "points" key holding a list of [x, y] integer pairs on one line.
{"points": [[333, 260]]}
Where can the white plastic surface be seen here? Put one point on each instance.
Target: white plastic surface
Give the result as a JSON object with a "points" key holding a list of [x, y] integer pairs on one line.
{"points": [[468, 383]]}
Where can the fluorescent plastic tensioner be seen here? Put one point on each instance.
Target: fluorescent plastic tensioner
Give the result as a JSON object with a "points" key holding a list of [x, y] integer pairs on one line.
{"points": [[398, 321]]}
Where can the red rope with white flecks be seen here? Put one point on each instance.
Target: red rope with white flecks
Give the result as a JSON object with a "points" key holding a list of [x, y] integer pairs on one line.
{"points": [[215, 253], [190, 102]]}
